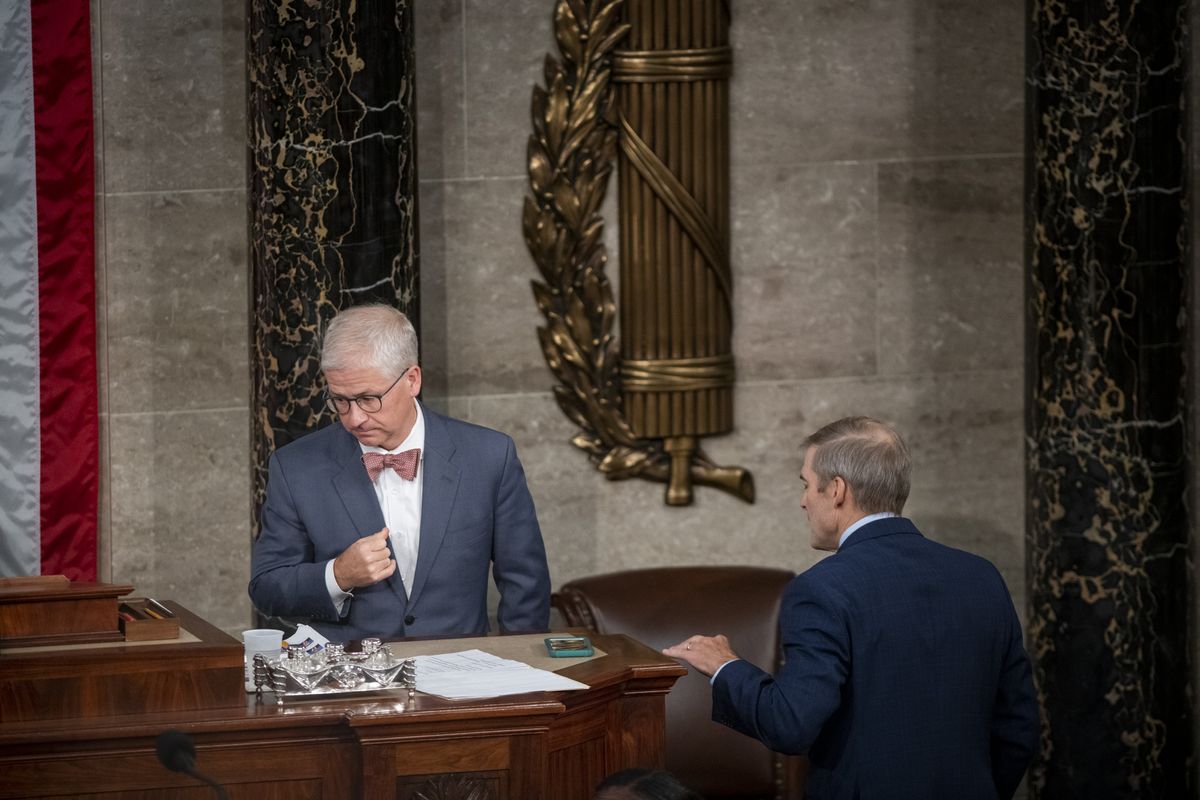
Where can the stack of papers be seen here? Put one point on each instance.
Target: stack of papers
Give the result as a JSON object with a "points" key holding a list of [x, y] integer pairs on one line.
{"points": [[474, 673]]}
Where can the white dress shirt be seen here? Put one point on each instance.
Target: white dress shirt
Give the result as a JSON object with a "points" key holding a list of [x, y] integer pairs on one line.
{"points": [[400, 501]]}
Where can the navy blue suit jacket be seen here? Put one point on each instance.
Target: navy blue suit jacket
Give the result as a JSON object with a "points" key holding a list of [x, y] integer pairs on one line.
{"points": [[476, 512], [904, 674]]}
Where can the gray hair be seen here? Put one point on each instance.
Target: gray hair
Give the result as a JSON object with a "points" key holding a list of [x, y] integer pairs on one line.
{"points": [[373, 336], [869, 455]]}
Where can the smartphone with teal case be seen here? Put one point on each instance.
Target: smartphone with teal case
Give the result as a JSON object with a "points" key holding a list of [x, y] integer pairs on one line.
{"points": [[569, 646]]}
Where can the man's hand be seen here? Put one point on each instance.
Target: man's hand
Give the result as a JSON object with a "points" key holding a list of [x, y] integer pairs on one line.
{"points": [[705, 653], [365, 562]]}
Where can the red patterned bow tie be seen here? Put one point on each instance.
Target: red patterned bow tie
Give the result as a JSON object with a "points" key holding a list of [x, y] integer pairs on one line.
{"points": [[404, 463]]}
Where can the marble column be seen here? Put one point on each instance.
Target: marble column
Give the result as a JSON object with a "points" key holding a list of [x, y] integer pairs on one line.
{"points": [[332, 191], [1107, 411]]}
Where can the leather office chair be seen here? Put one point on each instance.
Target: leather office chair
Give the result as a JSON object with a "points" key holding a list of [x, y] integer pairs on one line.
{"points": [[663, 606]]}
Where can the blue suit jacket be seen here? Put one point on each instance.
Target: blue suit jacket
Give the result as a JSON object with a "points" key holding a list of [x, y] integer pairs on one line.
{"points": [[904, 674], [476, 511]]}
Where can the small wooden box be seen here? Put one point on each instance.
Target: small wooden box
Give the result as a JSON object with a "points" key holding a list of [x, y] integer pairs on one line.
{"points": [[145, 619], [49, 609]]}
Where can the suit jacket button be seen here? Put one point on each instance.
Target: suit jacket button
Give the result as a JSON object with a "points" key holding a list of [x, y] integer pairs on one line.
{"points": [[410, 619]]}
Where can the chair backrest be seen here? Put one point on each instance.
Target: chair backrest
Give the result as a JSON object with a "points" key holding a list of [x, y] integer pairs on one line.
{"points": [[663, 606]]}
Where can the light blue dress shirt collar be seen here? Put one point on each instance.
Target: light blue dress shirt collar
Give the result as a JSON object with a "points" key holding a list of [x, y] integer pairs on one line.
{"points": [[864, 521]]}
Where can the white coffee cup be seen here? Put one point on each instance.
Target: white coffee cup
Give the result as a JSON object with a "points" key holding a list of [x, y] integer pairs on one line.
{"points": [[266, 641]]}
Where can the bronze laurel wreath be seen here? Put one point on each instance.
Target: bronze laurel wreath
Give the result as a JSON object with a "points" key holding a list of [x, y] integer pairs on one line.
{"points": [[571, 153]]}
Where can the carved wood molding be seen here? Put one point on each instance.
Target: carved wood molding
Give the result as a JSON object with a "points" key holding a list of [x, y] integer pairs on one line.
{"points": [[453, 787]]}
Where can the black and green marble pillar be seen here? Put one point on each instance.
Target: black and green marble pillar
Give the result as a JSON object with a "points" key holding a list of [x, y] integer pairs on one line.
{"points": [[1107, 352], [332, 177]]}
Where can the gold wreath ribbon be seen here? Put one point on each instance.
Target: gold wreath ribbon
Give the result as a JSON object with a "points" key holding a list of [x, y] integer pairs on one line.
{"points": [[681, 204], [677, 374], [652, 66]]}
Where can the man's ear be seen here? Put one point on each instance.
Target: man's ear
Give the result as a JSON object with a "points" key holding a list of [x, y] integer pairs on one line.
{"points": [[839, 490], [414, 380]]}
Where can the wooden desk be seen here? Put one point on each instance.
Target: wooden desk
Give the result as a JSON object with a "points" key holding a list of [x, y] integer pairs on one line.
{"points": [[523, 747]]}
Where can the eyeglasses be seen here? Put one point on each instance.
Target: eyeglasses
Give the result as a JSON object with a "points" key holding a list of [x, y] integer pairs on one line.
{"points": [[369, 403]]}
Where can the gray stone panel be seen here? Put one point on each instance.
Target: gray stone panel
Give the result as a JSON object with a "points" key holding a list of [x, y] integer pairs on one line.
{"points": [[177, 301], [804, 271], [431, 259], [440, 106], [950, 288], [491, 319], [174, 109], [506, 46], [831, 81], [181, 501]]}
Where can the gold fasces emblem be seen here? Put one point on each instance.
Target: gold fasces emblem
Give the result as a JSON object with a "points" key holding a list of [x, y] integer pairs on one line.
{"points": [[642, 403]]}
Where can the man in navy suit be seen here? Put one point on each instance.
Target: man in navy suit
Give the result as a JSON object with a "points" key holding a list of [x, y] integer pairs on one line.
{"points": [[904, 671], [386, 524]]}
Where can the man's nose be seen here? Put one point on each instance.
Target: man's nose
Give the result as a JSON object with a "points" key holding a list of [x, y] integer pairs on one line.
{"points": [[355, 415]]}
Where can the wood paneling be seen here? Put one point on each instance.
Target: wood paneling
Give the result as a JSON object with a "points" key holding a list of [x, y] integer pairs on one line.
{"points": [[46, 609], [540, 745], [70, 683]]}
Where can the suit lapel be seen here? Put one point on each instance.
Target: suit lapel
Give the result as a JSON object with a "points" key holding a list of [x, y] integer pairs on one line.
{"points": [[438, 489], [354, 487], [358, 496]]}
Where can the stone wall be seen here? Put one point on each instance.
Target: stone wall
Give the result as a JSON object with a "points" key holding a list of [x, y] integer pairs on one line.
{"points": [[877, 258]]}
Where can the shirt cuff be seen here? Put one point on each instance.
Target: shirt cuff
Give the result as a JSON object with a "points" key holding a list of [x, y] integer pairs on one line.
{"points": [[336, 594], [711, 680]]}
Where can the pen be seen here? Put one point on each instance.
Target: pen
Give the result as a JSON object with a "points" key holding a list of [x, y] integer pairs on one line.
{"points": [[163, 611]]}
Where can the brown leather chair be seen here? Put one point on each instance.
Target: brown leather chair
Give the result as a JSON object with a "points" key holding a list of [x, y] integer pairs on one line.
{"points": [[663, 606]]}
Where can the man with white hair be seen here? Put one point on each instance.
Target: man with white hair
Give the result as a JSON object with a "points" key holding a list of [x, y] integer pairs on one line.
{"points": [[904, 673], [386, 524]]}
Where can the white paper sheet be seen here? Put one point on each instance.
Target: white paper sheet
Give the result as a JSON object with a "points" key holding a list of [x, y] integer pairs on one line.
{"points": [[474, 673]]}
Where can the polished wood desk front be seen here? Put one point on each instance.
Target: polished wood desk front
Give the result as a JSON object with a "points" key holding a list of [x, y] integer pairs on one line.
{"points": [[542, 745]]}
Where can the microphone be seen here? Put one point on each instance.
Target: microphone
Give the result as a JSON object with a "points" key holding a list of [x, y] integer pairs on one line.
{"points": [[177, 752]]}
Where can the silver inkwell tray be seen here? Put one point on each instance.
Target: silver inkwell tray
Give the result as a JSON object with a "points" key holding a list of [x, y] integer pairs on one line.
{"points": [[333, 671]]}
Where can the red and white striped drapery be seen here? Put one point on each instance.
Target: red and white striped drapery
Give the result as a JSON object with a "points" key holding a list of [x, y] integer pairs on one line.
{"points": [[48, 389]]}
